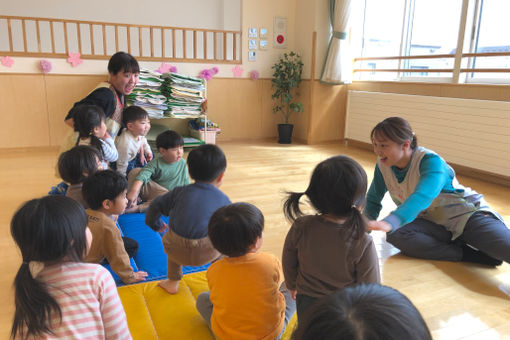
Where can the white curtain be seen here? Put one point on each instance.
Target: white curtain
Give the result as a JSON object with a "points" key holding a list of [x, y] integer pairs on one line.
{"points": [[337, 67]]}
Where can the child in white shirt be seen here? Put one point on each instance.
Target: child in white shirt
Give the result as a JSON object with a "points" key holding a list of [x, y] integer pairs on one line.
{"points": [[131, 142]]}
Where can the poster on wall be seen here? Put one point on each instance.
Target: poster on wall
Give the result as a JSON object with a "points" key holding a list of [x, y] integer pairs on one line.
{"points": [[252, 32], [252, 55]]}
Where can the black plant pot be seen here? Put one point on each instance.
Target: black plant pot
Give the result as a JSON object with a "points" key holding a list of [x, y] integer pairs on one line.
{"points": [[285, 133]]}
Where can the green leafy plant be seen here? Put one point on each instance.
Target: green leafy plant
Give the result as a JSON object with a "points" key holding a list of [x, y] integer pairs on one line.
{"points": [[286, 80]]}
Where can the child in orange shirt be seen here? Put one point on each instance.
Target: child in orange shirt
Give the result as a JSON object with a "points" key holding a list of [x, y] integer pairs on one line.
{"points": [[245, 300]]}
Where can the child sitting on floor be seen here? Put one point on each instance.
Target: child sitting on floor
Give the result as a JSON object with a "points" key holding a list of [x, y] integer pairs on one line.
{"points": [[105, 193], [245, 300], [162, 174], [75, 165], [89, 122], [132, 139], [330, 250], [58, 296], [189, 209]]}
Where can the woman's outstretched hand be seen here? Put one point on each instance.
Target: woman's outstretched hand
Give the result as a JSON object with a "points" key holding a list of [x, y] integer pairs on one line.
{"points": [[379, 225]]}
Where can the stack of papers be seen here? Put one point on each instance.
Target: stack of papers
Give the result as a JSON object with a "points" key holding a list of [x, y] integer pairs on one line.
{"points": [[184, 94], [147, 94]]}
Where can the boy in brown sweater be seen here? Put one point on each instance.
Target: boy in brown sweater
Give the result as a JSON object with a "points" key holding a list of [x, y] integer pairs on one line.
{"points": [[105, 193]]}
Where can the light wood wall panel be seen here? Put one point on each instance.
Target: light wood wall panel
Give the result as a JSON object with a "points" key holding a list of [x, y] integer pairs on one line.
{"points": [[328, 113], [243, 108], [62, 92], [301, 119], [24, 113]]}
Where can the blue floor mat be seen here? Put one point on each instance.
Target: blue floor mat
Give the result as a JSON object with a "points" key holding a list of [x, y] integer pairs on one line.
{"points": [[151, 256]]}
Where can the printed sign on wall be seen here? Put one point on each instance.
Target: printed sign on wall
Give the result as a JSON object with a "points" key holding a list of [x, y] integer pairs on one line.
{"points": [[280, 32]]}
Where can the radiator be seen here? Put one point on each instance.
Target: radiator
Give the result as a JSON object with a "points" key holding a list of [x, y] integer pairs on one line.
{"points": [[468, 132]]}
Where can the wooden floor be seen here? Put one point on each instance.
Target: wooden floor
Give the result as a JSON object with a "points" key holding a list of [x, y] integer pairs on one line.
{"points": [[458, 301]]}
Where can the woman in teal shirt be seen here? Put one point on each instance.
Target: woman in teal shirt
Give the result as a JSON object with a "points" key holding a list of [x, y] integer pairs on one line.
{"points": [[436, 217]]}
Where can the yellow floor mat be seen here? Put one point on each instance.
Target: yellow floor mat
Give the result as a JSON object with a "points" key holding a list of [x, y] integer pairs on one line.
{"points": [[152, 313]]}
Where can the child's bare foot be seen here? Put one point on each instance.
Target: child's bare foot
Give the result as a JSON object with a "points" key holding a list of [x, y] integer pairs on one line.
{"points": [[170, 286]]}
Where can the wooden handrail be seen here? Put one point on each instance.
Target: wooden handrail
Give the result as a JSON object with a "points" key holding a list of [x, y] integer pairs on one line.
{"points": [[436, 56], [426, 56], [434, 70], [108, 41]]}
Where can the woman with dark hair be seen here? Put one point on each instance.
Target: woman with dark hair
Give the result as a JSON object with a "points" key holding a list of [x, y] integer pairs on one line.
{"points": [[436, 217], [363, 312], [123, 73]]}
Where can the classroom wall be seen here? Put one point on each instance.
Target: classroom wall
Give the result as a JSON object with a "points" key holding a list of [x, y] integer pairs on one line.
{"points": [[241, 106], [216, 14], [35, 105], [148, 12]]}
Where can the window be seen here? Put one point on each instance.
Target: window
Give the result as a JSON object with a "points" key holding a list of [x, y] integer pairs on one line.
{"points": [[396, 33], [382, 35], [492, 36], [433, 29]]}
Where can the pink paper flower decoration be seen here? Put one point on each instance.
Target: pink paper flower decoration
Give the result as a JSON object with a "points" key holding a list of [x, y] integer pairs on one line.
{"points": [[206, 74], [164, 68], [74, 59], [238, 71], [173, 69], [254, 75], [45, 66], [215, 70], [7, 61]]}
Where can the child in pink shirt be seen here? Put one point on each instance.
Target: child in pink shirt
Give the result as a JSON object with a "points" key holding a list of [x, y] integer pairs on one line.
{"points": [[57, 295]]}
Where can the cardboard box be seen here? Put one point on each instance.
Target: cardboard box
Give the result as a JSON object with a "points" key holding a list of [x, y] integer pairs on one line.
{"points": [[208, 137]]}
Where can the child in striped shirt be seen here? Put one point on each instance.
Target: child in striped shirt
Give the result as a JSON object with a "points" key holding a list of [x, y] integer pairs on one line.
{"points": [[57, 296]]}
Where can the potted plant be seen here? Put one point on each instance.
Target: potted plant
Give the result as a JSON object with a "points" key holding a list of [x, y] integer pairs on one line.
{"points": [[286, 80]]}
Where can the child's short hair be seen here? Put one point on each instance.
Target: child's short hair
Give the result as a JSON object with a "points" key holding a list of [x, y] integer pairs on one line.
{"points": [[364, 311], [76, 164], [103, 185], [122, 61], [206, 163], [132, 114], [169, 139], [233, 229]]}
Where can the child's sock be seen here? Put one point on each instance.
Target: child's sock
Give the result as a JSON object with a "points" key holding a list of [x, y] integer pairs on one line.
{"points": [[472, 255]]}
